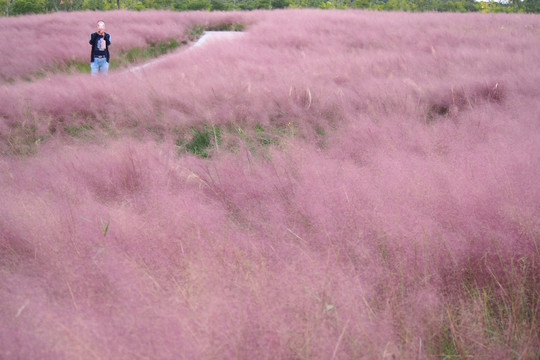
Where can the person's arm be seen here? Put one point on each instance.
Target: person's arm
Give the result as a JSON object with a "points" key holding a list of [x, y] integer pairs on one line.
{"points": [[92, 39], [107, 38]]}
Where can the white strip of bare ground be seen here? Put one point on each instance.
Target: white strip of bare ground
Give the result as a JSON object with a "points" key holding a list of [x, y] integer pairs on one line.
{"points": [[205, 39]]}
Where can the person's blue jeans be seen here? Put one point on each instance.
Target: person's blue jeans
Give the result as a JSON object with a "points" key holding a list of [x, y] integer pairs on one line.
{"points": [[99, 65]]}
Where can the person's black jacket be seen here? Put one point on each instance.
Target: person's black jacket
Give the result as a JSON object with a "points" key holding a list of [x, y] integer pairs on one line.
{"points": [[93, 42]]}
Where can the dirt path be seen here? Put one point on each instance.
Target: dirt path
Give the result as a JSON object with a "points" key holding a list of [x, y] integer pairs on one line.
{"points": [[208, 36]]}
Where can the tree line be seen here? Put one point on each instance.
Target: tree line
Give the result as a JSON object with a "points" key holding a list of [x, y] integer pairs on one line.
{"points": [[19, 7]]}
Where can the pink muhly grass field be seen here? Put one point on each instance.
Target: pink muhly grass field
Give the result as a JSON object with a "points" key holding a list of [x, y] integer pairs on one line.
{"points": [[370, 190]]}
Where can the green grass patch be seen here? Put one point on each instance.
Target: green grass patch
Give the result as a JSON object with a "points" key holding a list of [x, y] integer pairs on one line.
{"points": [[266, 137], [202, 141], [226, 27], [77, 130], [152, 49], [78, 66], [195, 32]]}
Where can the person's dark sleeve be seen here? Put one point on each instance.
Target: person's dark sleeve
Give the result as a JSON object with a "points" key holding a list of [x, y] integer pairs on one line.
{"points": [[92, 39], [108, 39]]}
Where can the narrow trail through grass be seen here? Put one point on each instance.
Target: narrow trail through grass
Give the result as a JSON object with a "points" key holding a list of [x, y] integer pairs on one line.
{"points": [[204, 39]]}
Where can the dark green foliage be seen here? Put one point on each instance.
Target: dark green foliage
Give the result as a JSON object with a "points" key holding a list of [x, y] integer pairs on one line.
{"points": [[96, 5], [247, 5], [190, 5], [19, 7], [361, 4], [532, 6], [199, 143], [219, 5], [162, 4], [201, 140], [225, 27], [264, 4], [198, 5], [280, 4]]}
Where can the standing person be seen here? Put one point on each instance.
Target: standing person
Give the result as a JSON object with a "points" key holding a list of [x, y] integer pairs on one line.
{"points": [[100, 41]]}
